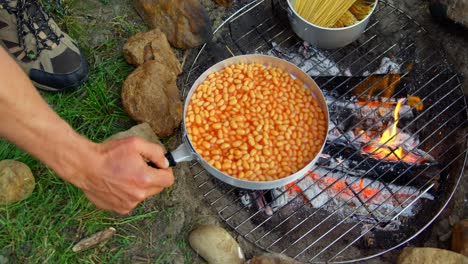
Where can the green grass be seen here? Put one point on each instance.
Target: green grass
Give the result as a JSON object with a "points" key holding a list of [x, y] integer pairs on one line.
{"points": [[44, 227], [95, 110]]}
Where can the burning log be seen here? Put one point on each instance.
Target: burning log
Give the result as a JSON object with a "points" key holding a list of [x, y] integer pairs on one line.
{"points": [[371, 109], [364, 199], [267, 201], [391, 154], [381, 85], [350, 160]]}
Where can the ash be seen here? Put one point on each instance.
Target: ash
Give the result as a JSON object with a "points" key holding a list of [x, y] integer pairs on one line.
{"points": [[310, 60], [317, 63], [360, 198], [351, 198]]}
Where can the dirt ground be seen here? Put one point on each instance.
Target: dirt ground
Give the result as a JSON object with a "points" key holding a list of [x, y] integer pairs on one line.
{"points": [[185, 201], [454, 42]]}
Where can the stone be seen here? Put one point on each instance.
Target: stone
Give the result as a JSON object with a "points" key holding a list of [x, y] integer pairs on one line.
{"points": [[412, 255], [273, 259], [216, 245], [150, 94], [143, 131], [453, 10], [225, 3], [151, 45], [185, 22], [247, 248], [460, 238], [16, 181]]}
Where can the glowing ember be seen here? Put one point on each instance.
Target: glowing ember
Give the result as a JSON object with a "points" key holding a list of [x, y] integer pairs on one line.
{"points": [[293, 188], [320, 186], [347, 191], [336, 186]]}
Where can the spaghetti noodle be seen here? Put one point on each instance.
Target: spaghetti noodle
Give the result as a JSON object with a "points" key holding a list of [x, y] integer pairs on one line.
{"points": [[333, 13], [361, 8]]}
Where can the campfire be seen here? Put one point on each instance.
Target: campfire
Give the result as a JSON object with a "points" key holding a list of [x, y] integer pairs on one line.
{"points": [[385, 173], [368, 165]]}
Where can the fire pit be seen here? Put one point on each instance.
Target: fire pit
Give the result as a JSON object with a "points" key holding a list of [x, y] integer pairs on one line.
{"points": [[395, 149]]}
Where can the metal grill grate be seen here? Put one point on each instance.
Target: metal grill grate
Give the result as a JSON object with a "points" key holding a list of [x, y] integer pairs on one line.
{"points": [[316, 234]]}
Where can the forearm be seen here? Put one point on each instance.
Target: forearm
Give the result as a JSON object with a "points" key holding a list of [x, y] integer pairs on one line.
{"points": [[29, 122], [113, 175]]}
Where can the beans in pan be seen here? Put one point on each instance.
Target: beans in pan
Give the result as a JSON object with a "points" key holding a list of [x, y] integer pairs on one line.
{"points": [[255, 123]]}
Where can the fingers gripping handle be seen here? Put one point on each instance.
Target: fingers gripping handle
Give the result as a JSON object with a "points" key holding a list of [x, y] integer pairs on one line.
{"points": [[178, 155], [171, 159]]}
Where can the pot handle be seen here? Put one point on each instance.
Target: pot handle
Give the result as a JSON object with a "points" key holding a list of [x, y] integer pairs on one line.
{"points": [[181, 153]]}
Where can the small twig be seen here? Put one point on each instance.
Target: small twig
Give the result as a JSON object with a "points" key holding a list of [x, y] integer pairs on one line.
{"points": [[94, 240], [184, 58]]}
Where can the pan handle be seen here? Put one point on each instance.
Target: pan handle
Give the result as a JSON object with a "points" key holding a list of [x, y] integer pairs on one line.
{"points": [[181, 153]]}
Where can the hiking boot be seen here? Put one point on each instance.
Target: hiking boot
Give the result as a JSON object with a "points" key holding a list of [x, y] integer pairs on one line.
{"points": [[50, 58]]}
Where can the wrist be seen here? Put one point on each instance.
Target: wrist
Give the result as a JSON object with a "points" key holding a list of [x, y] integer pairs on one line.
{"points": [[73, 160]]}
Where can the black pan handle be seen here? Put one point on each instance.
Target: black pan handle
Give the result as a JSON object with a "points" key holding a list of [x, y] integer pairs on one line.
{"points": [[169, 157]]}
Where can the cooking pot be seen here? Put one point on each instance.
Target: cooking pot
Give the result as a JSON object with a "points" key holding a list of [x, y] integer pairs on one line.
{"points": [[323, 37], [186, 151]]}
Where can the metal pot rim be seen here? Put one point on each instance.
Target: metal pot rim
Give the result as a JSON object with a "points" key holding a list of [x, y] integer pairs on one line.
{"points": [[254, 58], [332, 29]]}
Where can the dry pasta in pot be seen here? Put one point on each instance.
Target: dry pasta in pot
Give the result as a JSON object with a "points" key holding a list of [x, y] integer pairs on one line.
{"points": [[333, 13]]}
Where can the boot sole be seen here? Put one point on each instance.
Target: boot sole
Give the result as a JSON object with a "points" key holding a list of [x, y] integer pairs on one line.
{"points": [[61, 90]]}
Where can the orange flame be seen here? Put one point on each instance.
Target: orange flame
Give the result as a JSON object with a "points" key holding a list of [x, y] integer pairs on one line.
{"points": [[386, 149], [389, 134]]}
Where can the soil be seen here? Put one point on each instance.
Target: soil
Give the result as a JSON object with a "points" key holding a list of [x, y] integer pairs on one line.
{"points": [[454, 42], [184, 201]]}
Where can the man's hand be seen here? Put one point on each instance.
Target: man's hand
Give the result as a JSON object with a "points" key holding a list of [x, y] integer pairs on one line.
{"points": [[113, 175], [117, 177]]}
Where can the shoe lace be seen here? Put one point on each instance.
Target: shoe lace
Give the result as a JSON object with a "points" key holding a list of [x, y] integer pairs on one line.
{"points": [[32, 19]]}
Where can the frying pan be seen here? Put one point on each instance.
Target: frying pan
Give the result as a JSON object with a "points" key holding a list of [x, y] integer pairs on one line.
{"points": [[186, 151]]}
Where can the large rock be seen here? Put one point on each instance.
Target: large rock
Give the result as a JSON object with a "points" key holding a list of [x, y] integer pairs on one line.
{"points": [[225, 3], [411, 255], [454, 10], [143, 130], [460, 238], [151, 45], [16, 181], [273, 259], [216, 245], [150, 94], [185, 22]]}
